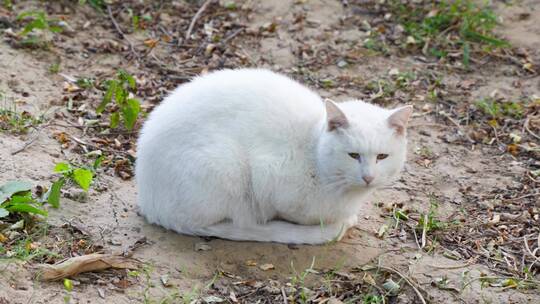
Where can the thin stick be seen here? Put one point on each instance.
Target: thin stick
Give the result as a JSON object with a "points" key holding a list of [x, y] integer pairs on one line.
{"points": [[526, 125], [424, 230], [418, 293], [460, 128], [284, 296], [197, 15], [120, 32], [31, 141]]}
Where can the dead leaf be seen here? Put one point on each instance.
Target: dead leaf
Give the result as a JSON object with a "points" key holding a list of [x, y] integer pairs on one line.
{"points": [[251, 263], [151, 43], [267, 267], [85, 263]]}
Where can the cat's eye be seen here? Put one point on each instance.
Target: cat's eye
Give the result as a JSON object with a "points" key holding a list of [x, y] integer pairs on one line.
{"points": [[355, 156], [382, 156]]}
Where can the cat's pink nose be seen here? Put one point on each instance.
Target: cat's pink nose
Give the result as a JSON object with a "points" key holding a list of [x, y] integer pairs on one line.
{"points": [[368, 179]]}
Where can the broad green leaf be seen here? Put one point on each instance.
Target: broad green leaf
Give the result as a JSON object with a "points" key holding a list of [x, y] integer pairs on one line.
{"points": [[62, 167], [3, 212], [115, 118], [83, 177], [130, 112], [53, 195], [120, 95], [27, 208], [21, 199], [111, 89], [12, 187]]}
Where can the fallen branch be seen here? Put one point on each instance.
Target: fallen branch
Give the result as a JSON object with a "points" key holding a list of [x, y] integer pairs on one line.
{"points": [[85, 263]]}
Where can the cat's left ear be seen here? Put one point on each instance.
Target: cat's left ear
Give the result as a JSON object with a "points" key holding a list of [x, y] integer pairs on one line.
{"points": [[398, 120], [335, 118]]}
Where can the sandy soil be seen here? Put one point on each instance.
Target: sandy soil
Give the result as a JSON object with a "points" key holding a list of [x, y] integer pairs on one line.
{"points": [[109, 216]]}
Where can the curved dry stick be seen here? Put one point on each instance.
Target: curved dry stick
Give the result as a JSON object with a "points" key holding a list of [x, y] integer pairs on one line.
{"points": [[196, 17], [418, 293]]}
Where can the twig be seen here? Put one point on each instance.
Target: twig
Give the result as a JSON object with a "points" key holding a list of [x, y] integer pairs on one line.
{"points": [[284, 295], [460, 128], [424, 230], [31, 141], [526, 126], [197, 15], [469, 263], [418, 293], [85, 144], [120, 32], [536, 259]]}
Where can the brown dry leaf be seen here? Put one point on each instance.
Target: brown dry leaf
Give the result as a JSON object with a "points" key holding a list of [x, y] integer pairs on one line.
{"points": [[513, 149], [3, 238], [151, 43], [251, 263], [85, 263], [267, 267]]}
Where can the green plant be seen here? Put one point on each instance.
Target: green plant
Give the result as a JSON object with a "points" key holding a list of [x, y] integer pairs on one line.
{"points": [[497, 109], [54, 68], [298, 280], [96, 4], [430, 221], [85, 83], [16, 198], [81, 176], [8, 4], [38, 20], [449, 25], [17, 122], [128, 108]]}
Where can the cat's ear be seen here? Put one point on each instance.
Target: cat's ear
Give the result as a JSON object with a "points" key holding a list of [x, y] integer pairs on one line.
{"points": [[335, 118], [398, 120]]}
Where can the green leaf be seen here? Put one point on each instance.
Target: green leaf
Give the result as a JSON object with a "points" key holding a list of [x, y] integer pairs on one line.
{"points": [[115, 118], [53, 195], [21, 199], [130, 112], [125, 76], [62, 167], [97, 162], [26, 208], [12, 187], [83, 177], [466, 54], [3, 212], [120, 95], [111, 88]]}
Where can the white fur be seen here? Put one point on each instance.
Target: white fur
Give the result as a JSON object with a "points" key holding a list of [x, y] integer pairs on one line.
{"points": [[247, 155]]}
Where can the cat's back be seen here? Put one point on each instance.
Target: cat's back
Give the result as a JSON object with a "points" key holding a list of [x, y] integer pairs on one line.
{"points": [[245, 101]]}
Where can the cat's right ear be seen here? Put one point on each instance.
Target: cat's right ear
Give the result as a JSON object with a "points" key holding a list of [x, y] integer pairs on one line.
{"points": [[335, 118]]}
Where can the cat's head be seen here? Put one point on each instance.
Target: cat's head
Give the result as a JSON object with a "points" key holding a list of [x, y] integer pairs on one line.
{"points": [[362, 145]]}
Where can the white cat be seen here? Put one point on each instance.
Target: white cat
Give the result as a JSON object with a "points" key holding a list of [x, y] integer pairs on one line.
{"points": [[252, 155]]}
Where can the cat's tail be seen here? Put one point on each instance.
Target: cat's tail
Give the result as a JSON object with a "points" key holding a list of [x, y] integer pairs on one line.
{"points": [[274, 231]]}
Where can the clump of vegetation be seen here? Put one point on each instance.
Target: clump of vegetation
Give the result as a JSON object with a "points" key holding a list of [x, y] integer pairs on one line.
{"points": [[496, 109], [37, 20], [17, 122], [444, 27], [126, 107]]}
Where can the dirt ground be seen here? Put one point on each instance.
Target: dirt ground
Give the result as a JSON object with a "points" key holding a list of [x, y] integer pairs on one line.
{"points": [[470, 180]]}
